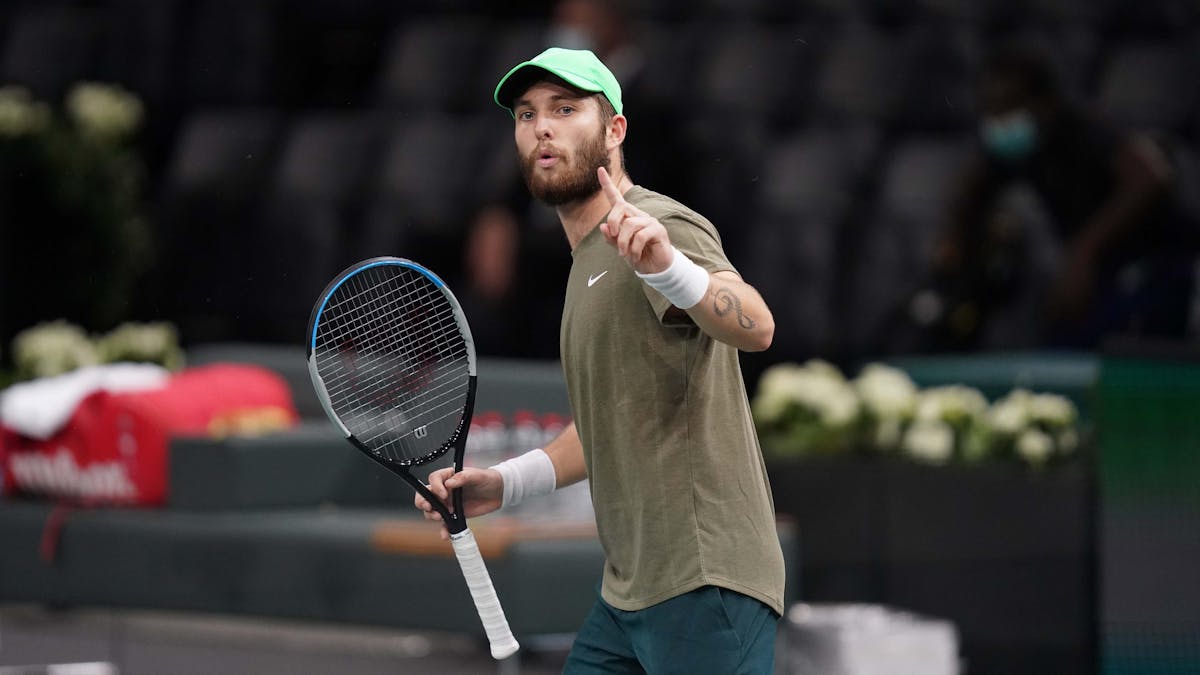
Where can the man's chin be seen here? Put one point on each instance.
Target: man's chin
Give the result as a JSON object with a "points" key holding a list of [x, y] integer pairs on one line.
{"points": [[559, 195]]}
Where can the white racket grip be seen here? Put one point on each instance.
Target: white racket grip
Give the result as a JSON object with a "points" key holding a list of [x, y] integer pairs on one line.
{"points": [[490, 612]]}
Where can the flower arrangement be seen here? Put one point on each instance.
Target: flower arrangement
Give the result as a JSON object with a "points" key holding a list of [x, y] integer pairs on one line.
{"points": [[58, 347], [72, 196], [814, 409]]}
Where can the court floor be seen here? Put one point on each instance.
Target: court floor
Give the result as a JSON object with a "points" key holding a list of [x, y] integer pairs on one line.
{"points": [[122, 642]]}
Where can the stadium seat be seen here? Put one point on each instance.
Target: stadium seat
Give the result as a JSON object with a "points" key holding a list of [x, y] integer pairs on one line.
{"points": [[1151, 85], [71, 34], [307, 225], [424, 189], [326, 156], [429, 64], [980, 14], [669, 50], [811, 183], [1094, 13], [864, 74], [507, 44], [330, 51], [227, 54], [891, 252], [750, 69], [218, 169], [818, 171], [939, 93], [137, 49]]}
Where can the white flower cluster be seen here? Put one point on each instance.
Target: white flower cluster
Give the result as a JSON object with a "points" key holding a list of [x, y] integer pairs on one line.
{"points": [[59, 347], [142, 342], [20, 114], [813, 407], [1036, 427], [104, 111], [53, 348], [816, 386]]}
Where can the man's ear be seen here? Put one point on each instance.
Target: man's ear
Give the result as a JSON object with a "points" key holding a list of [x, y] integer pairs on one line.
{"points": [[615, 134]]}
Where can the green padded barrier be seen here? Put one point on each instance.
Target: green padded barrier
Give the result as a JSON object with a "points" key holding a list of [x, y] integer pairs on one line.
{"points": [[327, 565], [1149, 434], [305, 466]]}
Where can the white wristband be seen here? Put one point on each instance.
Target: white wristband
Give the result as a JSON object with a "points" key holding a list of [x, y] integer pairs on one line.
{"points": [[529, 475], [684, 282]]}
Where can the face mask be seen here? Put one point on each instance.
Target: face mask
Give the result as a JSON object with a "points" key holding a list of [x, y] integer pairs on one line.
{"points": [[569, 37], [1010, 137]]}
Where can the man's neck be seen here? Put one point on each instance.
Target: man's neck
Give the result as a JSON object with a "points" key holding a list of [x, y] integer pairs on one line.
{"points": [[581, 217]]}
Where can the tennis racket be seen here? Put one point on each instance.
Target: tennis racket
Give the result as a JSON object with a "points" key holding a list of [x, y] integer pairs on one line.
{"points": [[393, 363]]}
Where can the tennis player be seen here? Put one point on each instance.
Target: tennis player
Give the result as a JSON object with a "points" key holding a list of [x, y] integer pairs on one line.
{"points": [[653, 320]]}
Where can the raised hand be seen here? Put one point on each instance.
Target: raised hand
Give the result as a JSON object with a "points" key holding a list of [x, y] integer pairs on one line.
{"points": [[637, 236]]}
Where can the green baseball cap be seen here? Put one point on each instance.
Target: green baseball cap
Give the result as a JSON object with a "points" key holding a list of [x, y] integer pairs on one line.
{"points": [[578, 67]]}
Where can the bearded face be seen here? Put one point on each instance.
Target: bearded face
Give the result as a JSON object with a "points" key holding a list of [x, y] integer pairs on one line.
{"points": [[556, 175]]}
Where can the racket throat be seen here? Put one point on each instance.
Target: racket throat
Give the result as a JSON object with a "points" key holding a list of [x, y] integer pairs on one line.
{"points": [[453, 521]]}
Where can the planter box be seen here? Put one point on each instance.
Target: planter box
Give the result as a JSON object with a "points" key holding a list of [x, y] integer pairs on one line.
{"points": [[1005, 554]]}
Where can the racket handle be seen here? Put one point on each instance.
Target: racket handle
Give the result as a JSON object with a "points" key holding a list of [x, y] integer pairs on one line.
{"points": [[484, 594]]}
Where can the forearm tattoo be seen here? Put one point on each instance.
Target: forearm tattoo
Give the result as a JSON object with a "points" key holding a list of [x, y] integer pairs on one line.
{"points": [[726, 301]]}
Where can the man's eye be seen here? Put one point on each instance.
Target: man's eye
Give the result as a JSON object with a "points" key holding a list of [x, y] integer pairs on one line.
{"points": [[566, 110], [525, 115]]}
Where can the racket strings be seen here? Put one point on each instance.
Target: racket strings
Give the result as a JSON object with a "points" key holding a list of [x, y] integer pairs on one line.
{"points": [[447, 348], [421, 359], [394, 360]]}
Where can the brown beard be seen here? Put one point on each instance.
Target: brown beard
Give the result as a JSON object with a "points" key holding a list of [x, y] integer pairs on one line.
{"points": [[576, 181]]}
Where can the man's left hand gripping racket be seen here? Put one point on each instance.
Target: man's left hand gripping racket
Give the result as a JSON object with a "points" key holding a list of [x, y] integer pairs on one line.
{"points": [[393, 363]]}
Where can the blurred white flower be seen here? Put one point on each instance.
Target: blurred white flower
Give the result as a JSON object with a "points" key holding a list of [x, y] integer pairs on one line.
{"points": [[774, 391], [930, 441], [817, 386], [1035, 446], [1011, 414], [142, 342], [1053, 410], [104, 111], [887, 392], [955, 404], [20, 114], [52, 348]]}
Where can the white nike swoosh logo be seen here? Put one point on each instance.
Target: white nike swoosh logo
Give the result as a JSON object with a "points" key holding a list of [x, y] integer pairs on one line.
{"points": [[592, 280]]}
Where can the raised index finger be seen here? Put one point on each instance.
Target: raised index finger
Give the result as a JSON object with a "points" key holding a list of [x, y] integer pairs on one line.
{"points": [[609, 187]]}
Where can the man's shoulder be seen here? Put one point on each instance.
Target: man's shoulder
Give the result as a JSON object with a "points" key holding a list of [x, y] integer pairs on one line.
{"points": [[665, 208]]}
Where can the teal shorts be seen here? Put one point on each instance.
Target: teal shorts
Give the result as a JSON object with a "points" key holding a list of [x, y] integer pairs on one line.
{"points": [[709, 630]]}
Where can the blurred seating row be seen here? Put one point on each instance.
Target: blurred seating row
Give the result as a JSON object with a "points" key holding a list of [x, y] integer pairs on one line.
{"points": [[914, 73], [837, 217], [287, 139]]}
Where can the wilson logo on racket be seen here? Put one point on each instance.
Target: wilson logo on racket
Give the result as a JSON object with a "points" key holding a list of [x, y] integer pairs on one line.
{"points": [[421, 431]]}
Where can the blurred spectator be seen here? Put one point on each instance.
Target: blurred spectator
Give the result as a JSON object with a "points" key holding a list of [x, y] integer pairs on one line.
{"points": [[513, 264], [1127, 256]]}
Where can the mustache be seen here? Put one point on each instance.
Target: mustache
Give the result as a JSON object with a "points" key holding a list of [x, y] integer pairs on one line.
{"points": [[536, 154]]}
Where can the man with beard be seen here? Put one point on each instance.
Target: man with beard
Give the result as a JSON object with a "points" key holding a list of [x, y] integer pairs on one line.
{"points": [[652, 323]]}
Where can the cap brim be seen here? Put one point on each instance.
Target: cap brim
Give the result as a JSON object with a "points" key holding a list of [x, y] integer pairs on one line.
{"points": [[525, 74]]}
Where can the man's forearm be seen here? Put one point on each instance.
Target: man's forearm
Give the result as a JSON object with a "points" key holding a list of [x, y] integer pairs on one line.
{"points": [[734, 313], [566, 453]]}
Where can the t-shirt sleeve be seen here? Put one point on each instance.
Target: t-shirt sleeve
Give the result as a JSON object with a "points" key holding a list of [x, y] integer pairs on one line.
{"points": [[696, 238]]}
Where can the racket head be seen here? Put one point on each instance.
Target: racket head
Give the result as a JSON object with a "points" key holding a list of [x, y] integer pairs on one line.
{"points": [[392, 360]]}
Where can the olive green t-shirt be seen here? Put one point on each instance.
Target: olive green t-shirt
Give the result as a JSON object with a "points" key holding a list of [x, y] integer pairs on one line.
{"points": [[678, 481]]}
